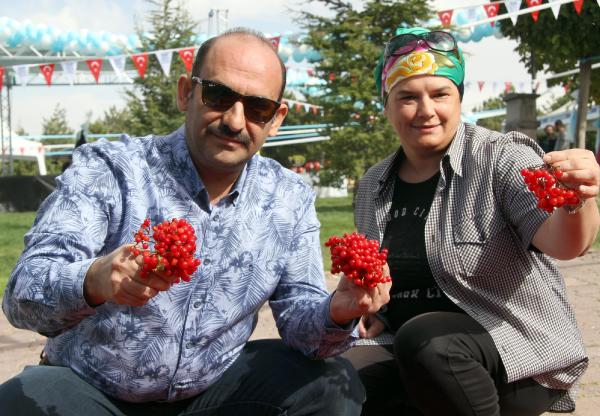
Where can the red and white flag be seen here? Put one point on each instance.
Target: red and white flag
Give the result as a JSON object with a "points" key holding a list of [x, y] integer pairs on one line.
{"points": [[47, 71], [95, 66], [187, 56], [491, 10], [531, 3], [480, 84], [507, 86], [275, 42], [141, 63], [446, 17], [578, 4]]}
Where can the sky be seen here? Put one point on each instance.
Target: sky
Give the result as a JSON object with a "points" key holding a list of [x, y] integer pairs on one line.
{"points": [[488, 60]]}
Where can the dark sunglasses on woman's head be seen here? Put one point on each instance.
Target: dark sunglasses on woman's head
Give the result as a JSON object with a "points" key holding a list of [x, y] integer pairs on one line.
{"points": [[220, 97], [437, 40]]}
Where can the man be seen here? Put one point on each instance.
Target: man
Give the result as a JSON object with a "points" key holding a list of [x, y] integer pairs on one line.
{"points": [[562, 141], [548, 141], [121, 344]]}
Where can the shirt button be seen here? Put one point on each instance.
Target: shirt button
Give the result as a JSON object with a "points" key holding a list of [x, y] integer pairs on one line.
{"points": [[206, 262], [197, 304], [216, 218], [189, 345]]}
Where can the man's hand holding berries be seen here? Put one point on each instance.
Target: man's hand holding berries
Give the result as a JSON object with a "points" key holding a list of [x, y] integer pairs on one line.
{"points": [[366, 284], [133, 274]]}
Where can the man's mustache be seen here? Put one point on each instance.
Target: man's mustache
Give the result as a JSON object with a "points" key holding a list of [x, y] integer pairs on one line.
{"points": [[224, 130]]}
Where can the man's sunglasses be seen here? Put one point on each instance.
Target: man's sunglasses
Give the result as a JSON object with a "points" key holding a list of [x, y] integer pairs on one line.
{"points": [[220, 97], [436, 40]]}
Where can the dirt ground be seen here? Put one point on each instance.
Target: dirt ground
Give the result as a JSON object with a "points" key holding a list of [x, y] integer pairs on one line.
{"points": [[19, 348]]}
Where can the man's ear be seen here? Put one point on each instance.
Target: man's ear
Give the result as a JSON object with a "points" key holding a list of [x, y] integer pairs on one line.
{"points": [[278, 119], [184, 92]]}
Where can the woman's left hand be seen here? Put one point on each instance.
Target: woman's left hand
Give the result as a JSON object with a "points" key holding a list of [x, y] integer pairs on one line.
{"points": [[580, 170]]}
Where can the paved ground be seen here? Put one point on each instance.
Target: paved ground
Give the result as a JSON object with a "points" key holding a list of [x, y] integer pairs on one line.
{"points": [[19, 348]]}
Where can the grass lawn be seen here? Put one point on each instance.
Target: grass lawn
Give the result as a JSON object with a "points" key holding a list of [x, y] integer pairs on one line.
{"points": [[335, 215]]}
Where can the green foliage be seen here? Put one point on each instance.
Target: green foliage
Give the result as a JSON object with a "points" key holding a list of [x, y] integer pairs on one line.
{"points": [[113, 121], [14, 225], [336, 217], [350, 43], [152, 101], [57, 122], [492, 123], [557, 45]]}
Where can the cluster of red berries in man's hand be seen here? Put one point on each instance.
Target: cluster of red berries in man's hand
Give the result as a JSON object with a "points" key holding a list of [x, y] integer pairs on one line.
{"points": [[358, 258], [174, 245], [544, 182]]}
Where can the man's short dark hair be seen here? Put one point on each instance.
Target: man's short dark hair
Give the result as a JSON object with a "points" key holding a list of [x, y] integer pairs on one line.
{"points": [[206, 46]]}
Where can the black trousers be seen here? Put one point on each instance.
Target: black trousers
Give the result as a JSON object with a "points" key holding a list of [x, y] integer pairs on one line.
{"points": [[444, 363], [267, 379]]}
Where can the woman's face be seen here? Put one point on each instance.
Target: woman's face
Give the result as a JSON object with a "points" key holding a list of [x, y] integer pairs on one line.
{"points": [[425, 112]]}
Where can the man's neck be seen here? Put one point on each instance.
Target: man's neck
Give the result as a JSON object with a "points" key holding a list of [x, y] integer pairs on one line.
{"points": [[218, 184]]}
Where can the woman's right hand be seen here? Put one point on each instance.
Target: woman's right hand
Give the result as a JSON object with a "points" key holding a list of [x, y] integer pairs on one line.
{"points": [[370, 326]]}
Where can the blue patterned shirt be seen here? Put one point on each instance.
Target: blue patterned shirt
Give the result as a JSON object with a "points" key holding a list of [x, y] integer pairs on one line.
{"points": [[260, 243]]}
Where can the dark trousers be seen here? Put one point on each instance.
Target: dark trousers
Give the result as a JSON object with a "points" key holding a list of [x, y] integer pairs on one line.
{"points": [[267, 379], [444, 363]]}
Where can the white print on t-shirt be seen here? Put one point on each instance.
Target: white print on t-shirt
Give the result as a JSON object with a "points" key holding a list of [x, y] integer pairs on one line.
{"points": [[406, 294], [434, 292], [418, 212]]}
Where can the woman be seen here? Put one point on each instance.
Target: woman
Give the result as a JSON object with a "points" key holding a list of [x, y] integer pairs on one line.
{"points": [[478, 322]]}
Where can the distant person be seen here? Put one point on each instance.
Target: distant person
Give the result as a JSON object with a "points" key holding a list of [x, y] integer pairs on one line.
{"points": [[548, 140], [562, 141], [478, 322], [122, 344]]}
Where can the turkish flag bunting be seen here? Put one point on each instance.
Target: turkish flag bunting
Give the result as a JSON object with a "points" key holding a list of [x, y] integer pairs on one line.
{"points": [[141, 63], [446, 17], [275, 42], [1, 77], [578, 4], [314, 110], [531, 3], [480, 84], [95, 66], [187, 56], [47, 71], [507, 86], [492, 10], [297, 106]]}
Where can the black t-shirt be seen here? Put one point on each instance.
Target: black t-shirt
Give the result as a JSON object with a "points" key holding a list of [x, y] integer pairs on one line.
{"points": [[414, 290]]}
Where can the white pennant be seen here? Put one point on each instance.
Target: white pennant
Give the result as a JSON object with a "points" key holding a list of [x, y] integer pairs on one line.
{"points": [[69, 68], [164, 59], [471, 14], [556, 8], [118, 65], [23, 73], [513, 6], [521, 86]]}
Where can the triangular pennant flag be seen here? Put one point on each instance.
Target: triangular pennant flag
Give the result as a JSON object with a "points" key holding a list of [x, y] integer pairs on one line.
{"points": [[494, 85], [69, 68], [472, 13], [507, 86], [555, 6], [531, 3], [480, 84], [521, 86], [314, 109], [187, 56], [1, 77], [95, 66], [578, 4], [307, 107], [297, 106], [331, 76], [491, 10], [141, 62], [118, 65], [536, 86], [446, 17], [513, 6], [47, 71], [275, 42], [165, 58], [22, 72], [310, 72]]}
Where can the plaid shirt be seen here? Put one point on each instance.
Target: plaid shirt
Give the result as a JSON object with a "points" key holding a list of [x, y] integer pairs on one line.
{"points": [[478, 239]]}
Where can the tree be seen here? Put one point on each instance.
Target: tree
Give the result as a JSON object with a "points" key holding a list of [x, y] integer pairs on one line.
{"points": [[492, 123], [57, 123], [558, 45], [152, 101], [350, 42], [113, 121]]}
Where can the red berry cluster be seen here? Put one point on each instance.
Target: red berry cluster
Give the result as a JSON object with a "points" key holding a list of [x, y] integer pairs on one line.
{"points": [[358, 258], [544, 182], [174, 247]]}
